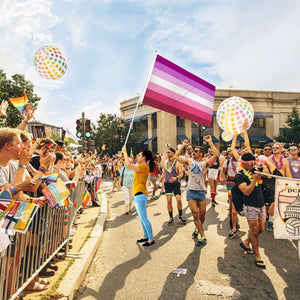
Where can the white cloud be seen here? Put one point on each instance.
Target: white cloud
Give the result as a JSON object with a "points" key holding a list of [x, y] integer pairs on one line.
{"points": [[250, 45]]}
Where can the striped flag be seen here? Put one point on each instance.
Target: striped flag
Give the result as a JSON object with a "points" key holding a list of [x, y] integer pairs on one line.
{"points": [[179, 92], [70, 138], [85, 198], [51, 177], [20, 103]]}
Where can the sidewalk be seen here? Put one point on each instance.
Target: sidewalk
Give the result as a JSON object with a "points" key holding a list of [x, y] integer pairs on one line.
{"points": [[72, 269]]}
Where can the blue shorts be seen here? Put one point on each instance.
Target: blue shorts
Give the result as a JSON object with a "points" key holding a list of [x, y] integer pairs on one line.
{"points": [[195, 195]]}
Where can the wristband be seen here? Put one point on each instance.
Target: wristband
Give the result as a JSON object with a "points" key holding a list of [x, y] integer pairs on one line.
{"points": [[13, 189], [22, 166], [211, 161], [25, 121]]}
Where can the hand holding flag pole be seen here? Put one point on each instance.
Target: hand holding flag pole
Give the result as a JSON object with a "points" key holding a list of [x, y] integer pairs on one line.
{"points": [[141, 96]]}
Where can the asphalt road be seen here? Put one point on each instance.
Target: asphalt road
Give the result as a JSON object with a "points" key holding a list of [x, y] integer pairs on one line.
{"points": [[123, 269]]}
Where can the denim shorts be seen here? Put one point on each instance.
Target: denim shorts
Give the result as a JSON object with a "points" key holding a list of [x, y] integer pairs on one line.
{"points": [[195, 195], [254, 213]]}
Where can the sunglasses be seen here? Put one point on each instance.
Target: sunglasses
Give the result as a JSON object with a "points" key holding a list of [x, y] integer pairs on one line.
{"points": [[276, 147], [293, 148], [267, 149]]}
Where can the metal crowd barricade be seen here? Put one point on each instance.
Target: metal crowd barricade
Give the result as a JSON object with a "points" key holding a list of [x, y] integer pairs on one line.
{"points": [[29, 253]]}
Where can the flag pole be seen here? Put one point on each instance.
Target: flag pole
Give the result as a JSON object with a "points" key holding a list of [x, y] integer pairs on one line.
{"points": [[141, 95]]}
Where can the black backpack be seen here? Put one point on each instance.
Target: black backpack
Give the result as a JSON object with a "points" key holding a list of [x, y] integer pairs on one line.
{"points": [[237, 198]]}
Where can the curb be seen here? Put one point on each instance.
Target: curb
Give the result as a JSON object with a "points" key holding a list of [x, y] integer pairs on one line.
{"points": [[76, 273]]}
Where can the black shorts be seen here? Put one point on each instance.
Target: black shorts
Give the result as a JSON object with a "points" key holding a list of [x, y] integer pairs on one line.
{"points": [[117, 174], [172, 188]]}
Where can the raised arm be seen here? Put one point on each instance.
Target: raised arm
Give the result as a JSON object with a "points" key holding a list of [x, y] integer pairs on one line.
{"points": [[182, 159], [215, 152], [246, 137], [233, 147], [127, 161]]}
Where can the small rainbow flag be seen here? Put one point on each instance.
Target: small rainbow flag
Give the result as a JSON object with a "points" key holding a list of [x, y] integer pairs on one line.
{"points": [[51, 177], [20, 103], [86, 198]]}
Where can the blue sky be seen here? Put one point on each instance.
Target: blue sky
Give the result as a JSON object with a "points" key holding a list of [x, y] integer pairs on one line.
{"points": [[109, 46]]}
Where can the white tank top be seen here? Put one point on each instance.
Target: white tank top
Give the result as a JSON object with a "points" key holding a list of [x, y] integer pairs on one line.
{"points": [[196, 178]]}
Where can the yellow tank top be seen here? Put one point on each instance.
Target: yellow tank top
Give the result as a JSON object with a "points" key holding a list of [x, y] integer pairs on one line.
{"points": [[140, 180]]}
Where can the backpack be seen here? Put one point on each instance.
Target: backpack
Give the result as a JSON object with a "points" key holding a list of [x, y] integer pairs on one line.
{"points": [[237, 198]]}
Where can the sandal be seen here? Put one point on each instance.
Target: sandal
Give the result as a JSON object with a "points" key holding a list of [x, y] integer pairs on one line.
{"points": [[43, 281], [260, 264], [248, 250], [37, 287], [45, 272], [232, 234]]}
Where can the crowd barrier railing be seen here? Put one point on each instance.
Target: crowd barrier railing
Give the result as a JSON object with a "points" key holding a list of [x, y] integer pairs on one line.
{"points": [[29, 253]]}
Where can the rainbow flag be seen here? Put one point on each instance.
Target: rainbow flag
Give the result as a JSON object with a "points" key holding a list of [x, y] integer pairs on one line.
{"points": [[131, 154], [51, 177], [20, 103], [86, 198], [175, 90]]}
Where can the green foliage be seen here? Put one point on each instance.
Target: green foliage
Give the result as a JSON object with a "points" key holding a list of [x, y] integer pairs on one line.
{"points": [[13, 88], [112, 131], [291, 134]]}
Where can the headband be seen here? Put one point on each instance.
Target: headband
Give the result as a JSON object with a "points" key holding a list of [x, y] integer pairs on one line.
{"points": [[248, 162]]}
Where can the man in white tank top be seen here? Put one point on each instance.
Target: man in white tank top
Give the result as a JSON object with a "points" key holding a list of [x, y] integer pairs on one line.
{"points": [[196, 184]]}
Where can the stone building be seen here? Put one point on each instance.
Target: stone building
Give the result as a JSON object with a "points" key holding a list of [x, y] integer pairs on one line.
{"points": [[156, 128]]}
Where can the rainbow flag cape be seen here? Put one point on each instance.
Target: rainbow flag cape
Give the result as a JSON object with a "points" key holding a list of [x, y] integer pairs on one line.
{"points": [[86, 198], [98, 183], [20, 103], [51, 177]]}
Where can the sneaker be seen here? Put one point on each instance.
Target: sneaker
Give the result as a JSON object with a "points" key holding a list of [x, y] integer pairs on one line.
{"points": [[182, 219], [232, 234], [195, 233], [269, 226], [154, 198], [171, 221], [201, 241], [213, 203]]}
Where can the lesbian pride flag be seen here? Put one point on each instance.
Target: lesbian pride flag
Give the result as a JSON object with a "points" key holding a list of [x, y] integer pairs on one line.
{"points": [[20, 103], [179, 92]]}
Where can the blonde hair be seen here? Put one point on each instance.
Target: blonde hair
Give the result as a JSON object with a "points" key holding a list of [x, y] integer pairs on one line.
{"points": [[7, 134]]}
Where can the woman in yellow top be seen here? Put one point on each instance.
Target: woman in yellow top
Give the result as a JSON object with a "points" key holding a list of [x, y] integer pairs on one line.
{"points": [[143, 166]]}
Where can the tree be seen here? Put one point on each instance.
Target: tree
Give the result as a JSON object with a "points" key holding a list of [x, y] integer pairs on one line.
{"points": [[291, 134], [12, 88], [111, 130]]}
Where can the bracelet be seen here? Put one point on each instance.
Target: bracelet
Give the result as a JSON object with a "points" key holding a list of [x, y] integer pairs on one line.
{"points": [[22, 166], [211, 161], [25, 121], [13, 189]]}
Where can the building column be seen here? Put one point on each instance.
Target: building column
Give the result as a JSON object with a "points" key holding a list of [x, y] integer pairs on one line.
{"points": [[269, 127], [188, 129], [166, 130], [276, 124], [150, 125]]}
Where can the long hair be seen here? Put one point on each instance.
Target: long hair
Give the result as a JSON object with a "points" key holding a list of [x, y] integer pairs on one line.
{"points": [[149, 157]]}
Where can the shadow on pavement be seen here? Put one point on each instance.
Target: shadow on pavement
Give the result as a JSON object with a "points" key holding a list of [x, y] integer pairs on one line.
{"points": [[250, 281], [177, 287], [284, 257], [115, 279]]}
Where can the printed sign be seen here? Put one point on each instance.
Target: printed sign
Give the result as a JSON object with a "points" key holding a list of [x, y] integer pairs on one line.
{"points": [[287, 209]]}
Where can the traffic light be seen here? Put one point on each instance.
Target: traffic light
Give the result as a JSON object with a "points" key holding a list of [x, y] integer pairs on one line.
{"points": [[79, 128], [87, 126], [203, 127]]}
